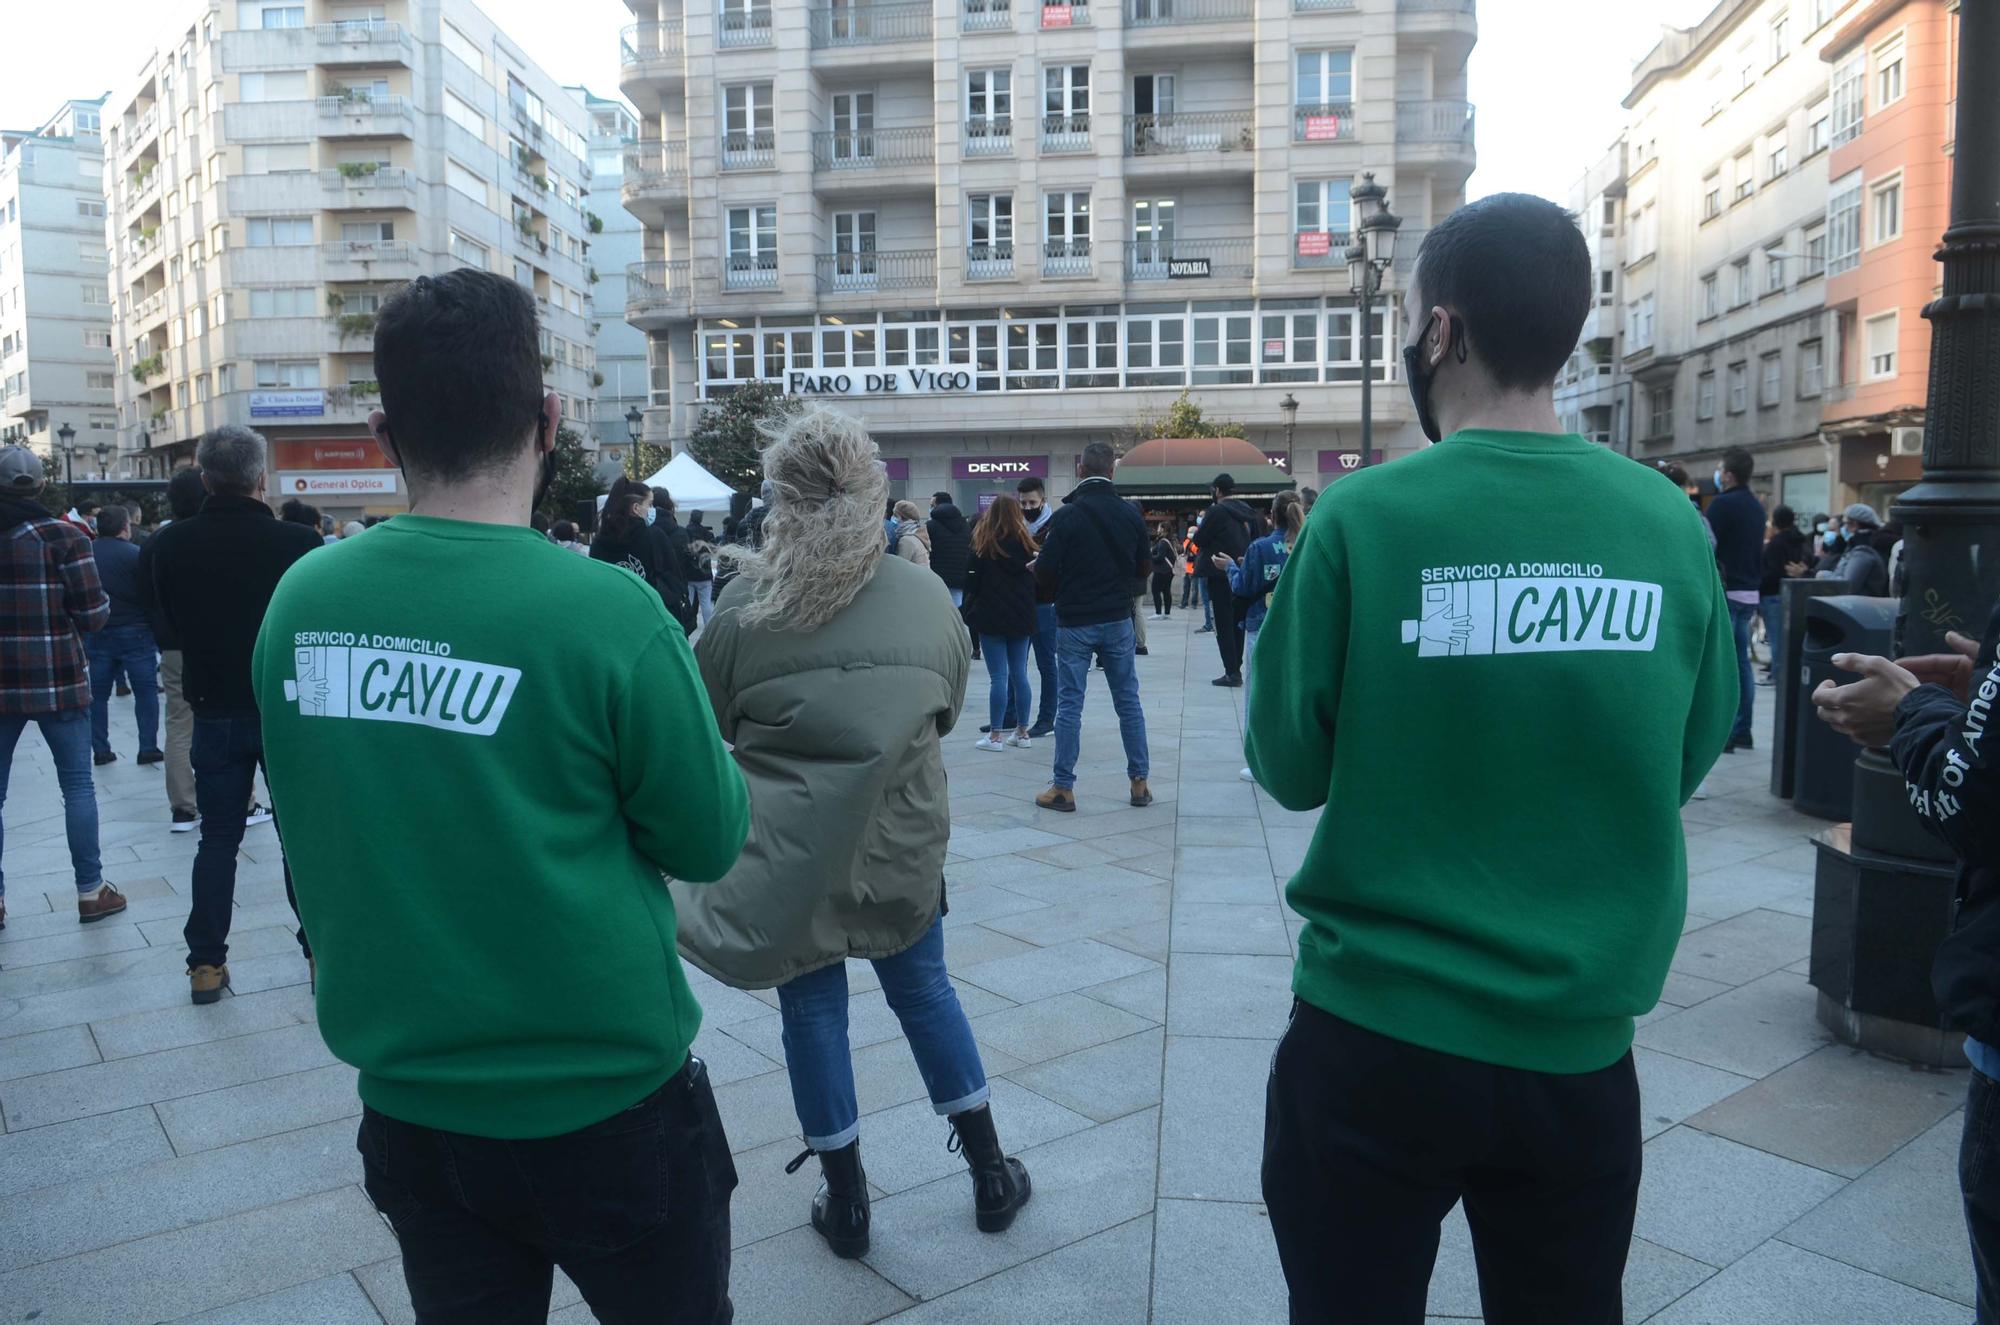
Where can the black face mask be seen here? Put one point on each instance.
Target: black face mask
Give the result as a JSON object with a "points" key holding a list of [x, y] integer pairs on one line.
{"points": [[1418, 375]]}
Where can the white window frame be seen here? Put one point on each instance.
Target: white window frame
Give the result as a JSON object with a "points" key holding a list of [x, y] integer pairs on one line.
{"points": [[992, 211], [751, 127], [1880, 367], [1812, 368], [752, 264], [1737, 399], [1818, 127], [1739, 282], [989, 110], [1843, 224], [1770, 379], [1774, 271], [1065, 123], [1885, 209], [1891, 81], [1066, 232], [1704, 396], [1711, 296], [1849, 96]]}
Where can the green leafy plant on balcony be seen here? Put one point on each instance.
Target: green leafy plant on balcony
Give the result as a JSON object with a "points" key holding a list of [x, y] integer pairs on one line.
{"points": [[548, 361], [357, 96], [541, 182], [359, 169], [147, 232], [335, 301], [593, 275], [594, 222], [365, 390], [355, 324], [150, 366], [160, 414], [525, 223], [142, 178], [597, 379]]}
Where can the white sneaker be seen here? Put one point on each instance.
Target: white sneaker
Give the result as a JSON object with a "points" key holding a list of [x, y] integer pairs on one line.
{"points": [[988, 743], [258, 815], [1019, 741], [1701, 792], [1245, 774]]}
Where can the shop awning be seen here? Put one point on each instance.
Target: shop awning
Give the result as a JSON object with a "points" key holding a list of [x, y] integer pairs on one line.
{"points": [[1181, 467]]}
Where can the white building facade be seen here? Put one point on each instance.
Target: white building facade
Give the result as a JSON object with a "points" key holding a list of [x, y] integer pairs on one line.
{"points": [[999, 231], [616, 245], [1592, 396], [276, 169], [55, 316]]}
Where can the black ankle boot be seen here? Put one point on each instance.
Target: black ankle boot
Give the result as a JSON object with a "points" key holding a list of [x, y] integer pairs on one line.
{"points": [[840, 1211], [1000, 1185]]}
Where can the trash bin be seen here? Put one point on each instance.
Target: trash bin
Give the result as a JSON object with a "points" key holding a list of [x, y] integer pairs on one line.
{"points": [[1785, 672], [1823, 777]]}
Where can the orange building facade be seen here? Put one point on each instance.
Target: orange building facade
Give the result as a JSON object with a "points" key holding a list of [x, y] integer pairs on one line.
{"points": [[1894, 71]]}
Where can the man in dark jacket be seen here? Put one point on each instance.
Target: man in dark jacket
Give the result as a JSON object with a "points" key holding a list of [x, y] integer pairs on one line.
{"points": [[1737, 518], [213, 576], [1229, 527], [1092, 550], [1786, 554], [1935, 715], [951, 545], [1861, 563], [49, 599], [125, 645]]}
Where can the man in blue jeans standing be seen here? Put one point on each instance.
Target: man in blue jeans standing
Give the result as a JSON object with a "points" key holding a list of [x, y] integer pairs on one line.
{"points": [[212, 579], [1092, 551], [125, 644], [1737, 518], [1034, 495]]}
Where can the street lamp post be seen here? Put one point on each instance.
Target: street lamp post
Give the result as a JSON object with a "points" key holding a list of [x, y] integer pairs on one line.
{"points": [[1289, 408], [1368, 259], [66, 435], [103, 450], [635, 423]]}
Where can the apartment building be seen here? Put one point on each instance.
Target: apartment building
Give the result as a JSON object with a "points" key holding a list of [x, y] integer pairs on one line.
{"points": [[275, 169], [1000, 229], [1726, 244], [1894, 69], [1592, 397], [615, 246], [55, 318]]}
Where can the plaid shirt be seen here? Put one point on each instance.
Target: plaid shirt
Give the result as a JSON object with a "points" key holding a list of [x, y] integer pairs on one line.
{"points": [[49, 597]]}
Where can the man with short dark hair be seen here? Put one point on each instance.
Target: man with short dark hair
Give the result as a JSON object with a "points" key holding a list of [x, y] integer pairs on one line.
{"points": [[185, 495], [1034, 497], [49, 599], [1483, 922], [1786, 553], [1091, 551], [1737, 518], [951, 547], [125, 644], [1227, 529], [483, 809]]}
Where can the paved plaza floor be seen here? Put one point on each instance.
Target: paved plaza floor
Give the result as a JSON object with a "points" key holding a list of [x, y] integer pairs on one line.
{"points": [[1126, 972]]}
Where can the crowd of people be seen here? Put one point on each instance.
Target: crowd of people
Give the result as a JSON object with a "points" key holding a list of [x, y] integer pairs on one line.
{"points": [[1546, 646]]}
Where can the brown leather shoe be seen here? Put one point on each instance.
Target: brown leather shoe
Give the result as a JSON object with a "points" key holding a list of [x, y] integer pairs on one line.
{"points": [[206, 983], [106, 901], [1058, 798], [1142, 795]]}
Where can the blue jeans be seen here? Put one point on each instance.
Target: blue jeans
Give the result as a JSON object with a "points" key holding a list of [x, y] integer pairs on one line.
{"points": [[228, 750], [1772, 608], [1009, 697], [68, 735], [1112, 643], [814, 1008], [129, 649], [1740, 617]]}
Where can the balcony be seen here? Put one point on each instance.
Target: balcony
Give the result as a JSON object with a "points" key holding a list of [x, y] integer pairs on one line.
{"points": [[986, 16], [1194, 141], [655, 181], [1064, 16], [868, 25], [366, 117], [1066, 257], [1330, 122], [757, 271], [1169, 13], [143, 190], [656, 292], [1065, 133], [1320, 250], [756, 150], [1189, 260], [363, 41], [270, 121], [743, 28], [864, 273], [1322, 6], [1440, 132], [142, 251], [872, 149], [989, 137], [1453, 25], [649, 56], [367, 187], [990, 262], [142, 132], [150, 309], [364, 260]]}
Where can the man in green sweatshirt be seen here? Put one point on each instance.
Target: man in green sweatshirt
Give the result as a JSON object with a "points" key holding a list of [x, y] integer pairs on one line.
{"points": [[485, 752], [1502, 665]]}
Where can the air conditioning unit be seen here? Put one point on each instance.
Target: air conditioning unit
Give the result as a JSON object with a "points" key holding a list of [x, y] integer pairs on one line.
{"points": [[1906, 441]]}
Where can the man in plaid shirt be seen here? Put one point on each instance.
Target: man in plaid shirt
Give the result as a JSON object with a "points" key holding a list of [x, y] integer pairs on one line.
{"points": [[49, 596]]}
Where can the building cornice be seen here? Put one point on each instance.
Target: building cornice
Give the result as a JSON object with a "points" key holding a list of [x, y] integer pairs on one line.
{"points": [[1858, 29], [1680, 47]]}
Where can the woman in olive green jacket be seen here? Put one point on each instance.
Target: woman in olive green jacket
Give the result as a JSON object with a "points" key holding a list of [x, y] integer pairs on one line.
{"points": [[834, 670]]}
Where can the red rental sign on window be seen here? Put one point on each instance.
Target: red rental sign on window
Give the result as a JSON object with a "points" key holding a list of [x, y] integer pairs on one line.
{"points": [[1315, 243], [1057, 16], [1322, 128]]}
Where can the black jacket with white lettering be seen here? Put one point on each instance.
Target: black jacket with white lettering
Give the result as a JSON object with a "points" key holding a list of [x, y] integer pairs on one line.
{"points": [[1947, 754]]}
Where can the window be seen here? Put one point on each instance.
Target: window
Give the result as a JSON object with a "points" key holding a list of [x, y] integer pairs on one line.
{"points": [[1816, 128], [274, 158], [1815, 251], [1645, 233], [1879, 336], [460, 112], [1322, 206], [1343, 345], [471, 185], [464, 47], [1779, 37], [1156, 350], [1739, 387], [89, 207], [853, 127], [752, 237], [1660, 411], [468, 251], [1739, 282], [287, 372], [97, 338], [1770, 379], [1885, 210], [1711, 296], [1746, 178], [1812, 368], [287, 85], [284, 301], [1849, 79], [1323, 94], [1711, 196], [854, 249], [1777, 154], [1066, 233], [1843, 224], [1704, 396], [1717, 95], [1817, 13], [1607, 287], [1639, 324], [98, 381], [1889, 72], [744, 21], [277, 231], [990, 233], [1774, 271], [269, 14], [1090, 352], [94, 293], [201, 388], [748, 136], [1746, 65], [1611, 213], [1066, 106], [218, 309]]}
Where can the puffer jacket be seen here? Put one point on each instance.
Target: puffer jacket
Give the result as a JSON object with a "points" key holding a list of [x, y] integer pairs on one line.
{"points": [[837, 733], [951, 545]]}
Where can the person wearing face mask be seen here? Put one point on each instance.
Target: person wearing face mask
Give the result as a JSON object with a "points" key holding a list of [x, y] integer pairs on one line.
{"points": [[1860, 565], [1502, 664], [1826, 543], [625, 536]]}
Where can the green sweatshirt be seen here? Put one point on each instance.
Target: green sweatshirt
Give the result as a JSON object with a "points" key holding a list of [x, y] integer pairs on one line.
{"points": [[1503, 665], [484, 751]]}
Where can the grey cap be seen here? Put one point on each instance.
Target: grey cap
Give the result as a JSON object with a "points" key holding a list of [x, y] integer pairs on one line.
{"points": [[20, 470], [1862, 513]]}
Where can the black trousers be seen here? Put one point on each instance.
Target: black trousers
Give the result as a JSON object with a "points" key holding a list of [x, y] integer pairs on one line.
{"points": [[1163, 593], [1369, 1142], [1230, 612], [1979, 1187], [635, 1209]]}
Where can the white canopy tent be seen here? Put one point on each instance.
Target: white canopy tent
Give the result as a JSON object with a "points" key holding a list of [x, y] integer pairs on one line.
{"points": [[693, 488]]}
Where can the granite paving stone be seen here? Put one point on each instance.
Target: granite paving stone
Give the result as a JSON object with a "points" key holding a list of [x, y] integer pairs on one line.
{"points": [[65, 1154], [1211, 994], [1671, 1089], [1783, 1285], [1714, 1200], [1052, 1027], [1215, 1261], [265, 1107], [46, 1051], [1752, 1031], [1098, 1280], [1104, 1082], [1839, 1109], [1212, 1118]]}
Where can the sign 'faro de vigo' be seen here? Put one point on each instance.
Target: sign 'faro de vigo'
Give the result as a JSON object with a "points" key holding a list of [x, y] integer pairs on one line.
{"points": [[886, 382]]}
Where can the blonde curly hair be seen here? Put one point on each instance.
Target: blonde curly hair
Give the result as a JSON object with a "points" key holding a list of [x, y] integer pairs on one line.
{"points": [[823, 535]]}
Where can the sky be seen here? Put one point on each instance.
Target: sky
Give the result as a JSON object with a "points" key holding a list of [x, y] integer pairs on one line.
{"points": [[1546, 77]]}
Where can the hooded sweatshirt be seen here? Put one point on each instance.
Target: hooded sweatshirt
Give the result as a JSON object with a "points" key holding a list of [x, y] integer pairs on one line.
{"points": [[951, 544]]}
